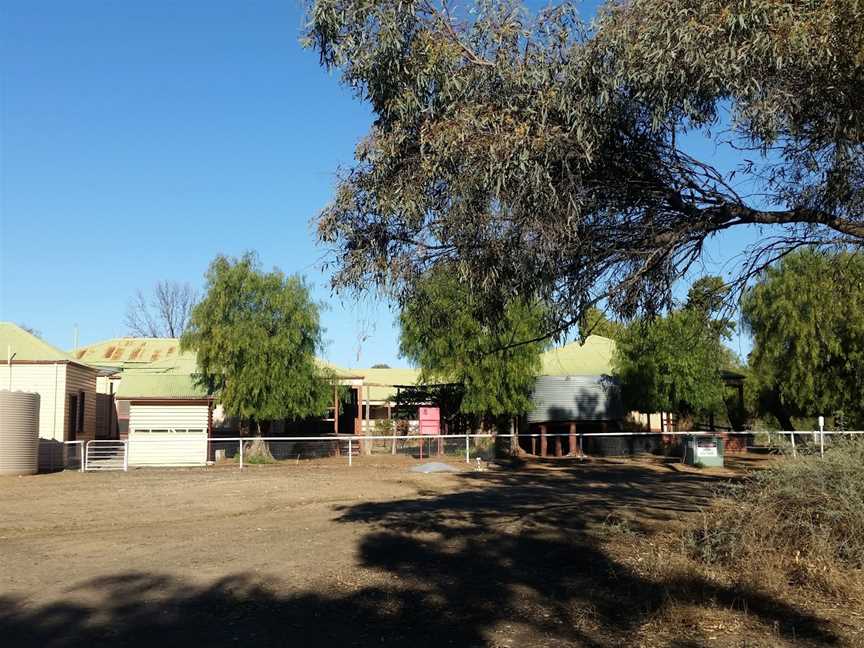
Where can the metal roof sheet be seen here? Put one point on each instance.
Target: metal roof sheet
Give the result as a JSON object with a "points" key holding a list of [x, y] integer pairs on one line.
{"points": [[593, 357], [128, 351], [381, 382], [28, 347], [137, 384]]}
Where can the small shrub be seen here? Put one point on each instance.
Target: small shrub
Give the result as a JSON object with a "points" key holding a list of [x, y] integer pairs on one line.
{"points": [[617, 525], [257, 452], [384, 427], [806, 514]]}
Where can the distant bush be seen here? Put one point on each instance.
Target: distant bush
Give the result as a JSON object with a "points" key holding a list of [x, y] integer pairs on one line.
{"points": [[384, 427], [805, 514]]}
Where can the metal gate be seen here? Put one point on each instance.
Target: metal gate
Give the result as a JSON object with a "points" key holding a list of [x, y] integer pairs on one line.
{"points": [[105, 454]]}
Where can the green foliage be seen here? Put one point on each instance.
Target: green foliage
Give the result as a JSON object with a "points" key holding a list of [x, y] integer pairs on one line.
{"points": [[444, 332], [595, 322], [673, 363], [384, 427], [545, 156], [806, 316], [256, 334], [707, 295]]}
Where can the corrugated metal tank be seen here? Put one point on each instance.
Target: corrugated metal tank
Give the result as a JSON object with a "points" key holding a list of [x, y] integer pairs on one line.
{"points": [[19, 433], [576, 398]]}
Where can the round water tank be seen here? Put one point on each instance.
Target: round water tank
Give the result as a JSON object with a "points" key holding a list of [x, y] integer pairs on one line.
{"points": [[19, 433]]}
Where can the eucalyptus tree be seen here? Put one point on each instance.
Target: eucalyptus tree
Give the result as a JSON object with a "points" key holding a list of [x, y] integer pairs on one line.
{"points": [[545, 155], [256, 334]]}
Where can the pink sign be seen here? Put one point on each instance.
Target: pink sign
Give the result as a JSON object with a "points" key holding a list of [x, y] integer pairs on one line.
{"points": [[430, 420]]}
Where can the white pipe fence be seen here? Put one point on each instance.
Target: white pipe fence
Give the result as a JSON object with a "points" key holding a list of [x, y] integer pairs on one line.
{"points": [[357, 443]]}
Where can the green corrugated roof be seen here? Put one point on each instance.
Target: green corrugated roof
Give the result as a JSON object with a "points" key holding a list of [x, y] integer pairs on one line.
{"points": [[125, 352], [172, 377], [381, 381], [27, 346], [340, 372], [593, 358], [140, 384]]}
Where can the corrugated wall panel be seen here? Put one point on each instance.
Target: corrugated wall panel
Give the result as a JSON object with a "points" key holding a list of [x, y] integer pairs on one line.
{"points": [[168, 448], [81, 379], [575, 398], [19, 433], [164, 417], [49, 381]]}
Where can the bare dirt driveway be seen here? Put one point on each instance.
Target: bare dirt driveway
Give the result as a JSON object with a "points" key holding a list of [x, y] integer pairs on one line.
{"points": [[320, 554]]}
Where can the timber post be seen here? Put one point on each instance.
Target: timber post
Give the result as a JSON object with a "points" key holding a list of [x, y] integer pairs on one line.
{"points": [[542, 440]]}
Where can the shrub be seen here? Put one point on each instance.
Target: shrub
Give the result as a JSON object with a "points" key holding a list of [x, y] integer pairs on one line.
{"points": [[383, 427], [257, 452], [805, 514]]}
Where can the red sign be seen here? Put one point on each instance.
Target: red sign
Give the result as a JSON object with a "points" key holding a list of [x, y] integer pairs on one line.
{"points": [[430, 420]]}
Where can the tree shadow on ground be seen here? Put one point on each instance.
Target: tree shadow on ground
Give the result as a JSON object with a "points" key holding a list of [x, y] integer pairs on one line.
{"points": [[510, 559]]}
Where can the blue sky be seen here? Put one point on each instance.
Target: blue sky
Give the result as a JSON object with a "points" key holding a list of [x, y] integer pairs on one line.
{"points": [[140, 139]]}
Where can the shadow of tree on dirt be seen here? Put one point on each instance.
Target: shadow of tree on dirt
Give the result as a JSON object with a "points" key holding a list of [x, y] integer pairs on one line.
{"points": [[511, 559]]}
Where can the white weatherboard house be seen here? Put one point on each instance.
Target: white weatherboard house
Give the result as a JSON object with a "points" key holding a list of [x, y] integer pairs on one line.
{"points": [[66, 388]]}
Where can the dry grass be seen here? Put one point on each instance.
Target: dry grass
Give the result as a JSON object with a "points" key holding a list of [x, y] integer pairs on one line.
{"points": [[799, 522]]}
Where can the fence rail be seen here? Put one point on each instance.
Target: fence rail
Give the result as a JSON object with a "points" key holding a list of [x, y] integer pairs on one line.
{"points": [[106, 454], [114, 454]]}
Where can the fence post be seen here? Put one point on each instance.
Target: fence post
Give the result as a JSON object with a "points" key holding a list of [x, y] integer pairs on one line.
{"points": [[350, 452], [126, 456], [467, 451], [84, 445], [81, 466], [794, 451], [241, 454], [822, 436]]}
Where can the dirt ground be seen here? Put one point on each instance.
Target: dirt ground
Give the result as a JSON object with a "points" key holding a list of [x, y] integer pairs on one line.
{"points": [[319, 554]]}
